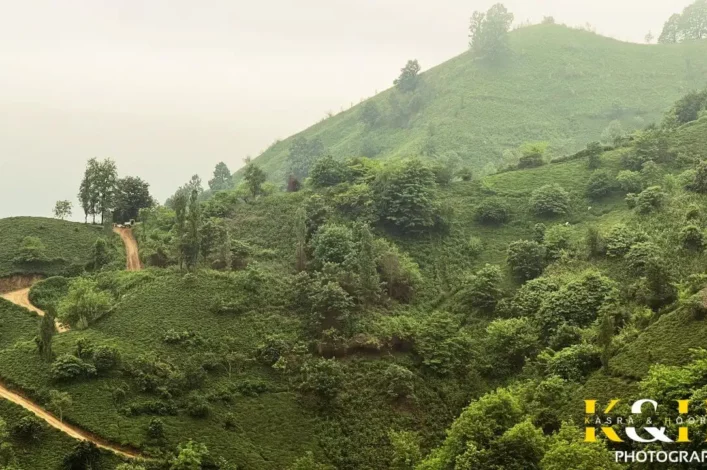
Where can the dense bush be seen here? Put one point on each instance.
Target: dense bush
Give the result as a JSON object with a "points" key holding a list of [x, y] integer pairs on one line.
{"points": [[322, 378], [482, 291], [333, 243], [48, 292], [69, 367], [399, 382], [556, 240], [640, 255], [621, 238], [197, 406], [574, 363], [31, 251], [406, 196], [509, 343], [327, 171], [526, 259], [600, 184], [550, 200], [440, 344], [699, 183], [83, 302], [630, 181], [399, 273], [647, 201], [691, 238], [493, 211]]}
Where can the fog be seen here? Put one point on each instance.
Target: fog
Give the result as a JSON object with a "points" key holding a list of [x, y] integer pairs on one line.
{"points": [[168, 88]]}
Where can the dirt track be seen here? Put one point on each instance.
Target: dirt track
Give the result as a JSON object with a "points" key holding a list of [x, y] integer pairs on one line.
{"points": [[21, 297], [132, 256]]}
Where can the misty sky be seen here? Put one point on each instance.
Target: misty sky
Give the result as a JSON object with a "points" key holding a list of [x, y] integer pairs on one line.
{"points": [[168, 88]]}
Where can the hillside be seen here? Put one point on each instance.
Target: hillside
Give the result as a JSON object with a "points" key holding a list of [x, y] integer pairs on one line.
{"points": [[560, 85], [64, 245]]}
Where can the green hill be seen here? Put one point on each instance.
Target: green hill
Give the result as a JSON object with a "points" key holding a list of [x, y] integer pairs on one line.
{"points": [[559, 85], [66, 245]]}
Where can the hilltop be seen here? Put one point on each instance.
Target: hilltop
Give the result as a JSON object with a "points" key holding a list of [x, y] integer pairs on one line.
{"points": [[559, 85]]}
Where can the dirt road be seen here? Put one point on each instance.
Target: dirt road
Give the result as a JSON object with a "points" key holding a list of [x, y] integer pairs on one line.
{"points": [[132, 255], [21, 297]]}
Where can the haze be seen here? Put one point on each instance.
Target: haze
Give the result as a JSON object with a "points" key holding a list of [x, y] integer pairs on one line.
{"points": [[168, 88]]}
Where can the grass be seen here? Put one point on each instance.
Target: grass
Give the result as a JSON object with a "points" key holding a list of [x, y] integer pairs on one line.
{"points": [[69, 241], [559, 85]]}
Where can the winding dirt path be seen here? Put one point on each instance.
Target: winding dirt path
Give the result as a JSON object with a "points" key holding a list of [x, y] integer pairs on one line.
{"points": [[132, 255], [21, 297]]}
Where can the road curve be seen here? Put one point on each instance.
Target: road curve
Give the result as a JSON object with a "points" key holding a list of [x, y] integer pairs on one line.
{"points": [[21, 297], [132, 255]]}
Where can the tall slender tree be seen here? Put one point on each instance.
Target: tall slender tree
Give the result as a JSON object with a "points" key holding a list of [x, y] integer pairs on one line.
{"points": [[191, 240], [46, 334], [301, 233], [367, 272], [222, 179]]}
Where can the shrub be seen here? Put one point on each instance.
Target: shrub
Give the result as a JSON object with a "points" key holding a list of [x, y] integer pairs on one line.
{"points": [[647, 201], [700, 178], [406, 196], [574, 363], [595, 242], [640, 254], [526, 259], [197, 406], [509, 342], [327, 171], [28, 428], [550, 200], [106, 358], [600, 184], [694, 212], [321, 377], [620, 239], [31, 251], [83, 301], [48, 292], [333, 243], [441, 345], [84, 455], [399, 382], [557, 239], [482, 291], [69, 367], [630, 181], [691, 238], [493, 211], [398, 271], [155, 428]]}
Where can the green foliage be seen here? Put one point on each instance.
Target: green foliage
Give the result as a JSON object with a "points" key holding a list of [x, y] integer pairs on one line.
{"points": [[408, 79], [31, 252], [621, 238], [328, 171], [254, 178], [557, 239], [482, 291], [68, 367], [567, 449], [333, 243], [526, 259], [574, 363], [649, 200], [630, 181], [222, 180], [302, 154], [699, 183], [131, 195], [83, 302], [493, 211], [691, 238], [550, 200], [510, 342], [440, 344], [640, 255], [600, 184], [406, 450], [406, 196], [62, 209], [488, 32]]}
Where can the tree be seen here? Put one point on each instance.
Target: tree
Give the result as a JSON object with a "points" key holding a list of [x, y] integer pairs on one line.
{"points": [[301, 233], [100, 255], [105, 183], [370, 114], [550, 200], [254, 178], [630, 181], [600, 185], [406, 449], [406, 196], [222, 179], [408, 79], [190, 456], [568, 450], [46, 334], [59, 402], [327, 171], [132, 194], [62, 209], [367, 273], [88, 191], [691, 25], [489, 32], [613, 133], [649, 37], [302, 154], [483, 291], [84, 456], [526, 259], [191, 240], [84, 302], [492, 211], [532, 155], [510, 342]]}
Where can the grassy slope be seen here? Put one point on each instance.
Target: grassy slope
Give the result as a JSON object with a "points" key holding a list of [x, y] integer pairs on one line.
{"points": [[561, 85], [71, 241]]}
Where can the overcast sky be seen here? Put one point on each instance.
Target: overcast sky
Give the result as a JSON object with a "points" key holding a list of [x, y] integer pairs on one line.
{"points": [[168, 88]]}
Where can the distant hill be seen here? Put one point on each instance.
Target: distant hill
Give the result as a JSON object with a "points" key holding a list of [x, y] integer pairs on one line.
{"points": [[559, 85]]}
